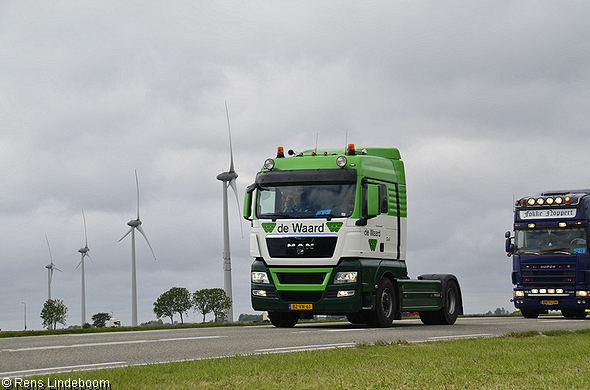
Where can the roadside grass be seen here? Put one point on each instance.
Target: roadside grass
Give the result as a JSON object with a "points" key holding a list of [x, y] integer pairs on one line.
{"points": [[529, 360]]}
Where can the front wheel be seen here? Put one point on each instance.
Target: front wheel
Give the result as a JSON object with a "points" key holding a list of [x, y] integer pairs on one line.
{"points": [[385, 305], [283, 320], [529, 313]]}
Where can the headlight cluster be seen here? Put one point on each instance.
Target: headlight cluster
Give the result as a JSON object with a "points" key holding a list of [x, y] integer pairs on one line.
{"points": [[582, 293], [558, 200], [345, 277], [260, 277], [547, 291]]}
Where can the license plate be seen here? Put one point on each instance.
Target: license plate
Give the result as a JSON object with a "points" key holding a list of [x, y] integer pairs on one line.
{"points": [[549, 302], [301, 306]]}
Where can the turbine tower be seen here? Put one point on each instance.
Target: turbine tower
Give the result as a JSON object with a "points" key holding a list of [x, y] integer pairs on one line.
{"points": [[84, 252], [135, 224], [50, 267], [229, 180]]}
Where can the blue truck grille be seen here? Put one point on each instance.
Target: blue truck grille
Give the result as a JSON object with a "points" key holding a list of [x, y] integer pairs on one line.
{"points": [[543, 274]]}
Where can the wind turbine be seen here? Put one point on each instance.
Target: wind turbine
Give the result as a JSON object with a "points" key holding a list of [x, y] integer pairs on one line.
{"points": [[84, 252], [50, 267], [229, 180], [135, 224]]}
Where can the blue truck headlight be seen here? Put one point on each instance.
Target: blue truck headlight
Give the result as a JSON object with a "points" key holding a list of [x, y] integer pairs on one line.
{"points": [[582, 293], [345, 277], [260, 277]]}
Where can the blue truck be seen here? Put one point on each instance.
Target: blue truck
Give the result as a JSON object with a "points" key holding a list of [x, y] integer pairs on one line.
{"points": [[549, 250]]}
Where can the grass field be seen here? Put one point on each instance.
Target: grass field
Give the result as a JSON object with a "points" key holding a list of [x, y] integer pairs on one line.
{"points": [[531, 360]]}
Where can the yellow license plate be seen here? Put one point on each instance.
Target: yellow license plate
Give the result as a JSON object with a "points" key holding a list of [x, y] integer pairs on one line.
{"points": [[549, 302], [301, 306]]}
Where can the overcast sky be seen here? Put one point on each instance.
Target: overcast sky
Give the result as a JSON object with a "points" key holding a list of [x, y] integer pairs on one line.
{"points": [[486, 101]]}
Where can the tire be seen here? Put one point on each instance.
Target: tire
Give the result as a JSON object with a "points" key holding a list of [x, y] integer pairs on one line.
{"points": [[428, 317], [451, 303], [355, 318], [447, 314], [529, 313], [574, 313], [385, 305], [283, 320]]}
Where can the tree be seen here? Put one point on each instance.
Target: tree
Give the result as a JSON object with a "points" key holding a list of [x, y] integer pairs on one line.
{"points": [[221, 303], [100, 319], [54, 311], [202, 302], [175, 300], [212, 300]]}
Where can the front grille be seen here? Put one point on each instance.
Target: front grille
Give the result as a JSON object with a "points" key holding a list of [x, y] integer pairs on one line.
{"points": [[303, 278], [301, 296], [304, 246], [548, 274]]}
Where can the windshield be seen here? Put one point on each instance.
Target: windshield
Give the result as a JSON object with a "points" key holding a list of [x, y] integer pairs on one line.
{"points": [[550, 240], [306, 201]]}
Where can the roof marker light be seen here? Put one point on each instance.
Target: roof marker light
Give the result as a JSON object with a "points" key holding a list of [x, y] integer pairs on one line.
{"points": [[350, 150], [531, 201]]}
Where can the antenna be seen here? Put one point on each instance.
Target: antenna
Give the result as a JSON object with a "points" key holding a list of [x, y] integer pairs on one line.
{"points": [[316, 142], [346, 142]]}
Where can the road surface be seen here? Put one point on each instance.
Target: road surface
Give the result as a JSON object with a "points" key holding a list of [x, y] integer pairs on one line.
{"points": [[38, 355]]}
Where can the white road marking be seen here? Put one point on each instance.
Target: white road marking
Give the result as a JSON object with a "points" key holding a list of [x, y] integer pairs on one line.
{"points": [[462, 336], [55, 370], [49, 347], [298, 348]]}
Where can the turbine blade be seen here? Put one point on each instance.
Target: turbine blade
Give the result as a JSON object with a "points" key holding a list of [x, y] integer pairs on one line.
{"points": [[234, 187], [50, 257], [146, 240], [126, 234], [137, 185], [92, 262], [57, 269], [80, 262], [231, 153], [85, 231]]}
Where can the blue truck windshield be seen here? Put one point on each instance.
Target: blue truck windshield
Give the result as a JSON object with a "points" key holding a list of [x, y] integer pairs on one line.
{"points": [[551, 240], [306, 201]]}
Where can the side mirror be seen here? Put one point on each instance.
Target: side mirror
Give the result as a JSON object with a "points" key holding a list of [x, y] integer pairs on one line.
{"points": [[509, 244], [248, 205]]}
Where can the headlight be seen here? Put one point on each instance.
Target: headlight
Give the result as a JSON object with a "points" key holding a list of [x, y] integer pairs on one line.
{"points": [[269, 164], [345, 277], [260, 277], [519, 293], [341, 161], [581, 293], [259, 293], [345, 293]]}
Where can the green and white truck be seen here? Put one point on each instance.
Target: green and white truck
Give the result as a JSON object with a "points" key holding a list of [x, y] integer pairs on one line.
{"points": [[329, 238]]}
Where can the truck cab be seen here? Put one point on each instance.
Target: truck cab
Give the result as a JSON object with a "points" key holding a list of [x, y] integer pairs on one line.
{"points": [[329, 237]]}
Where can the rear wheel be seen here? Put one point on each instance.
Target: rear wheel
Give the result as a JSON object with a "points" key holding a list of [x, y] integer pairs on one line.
{"points": [[451, 303], [283, 320], [385, 305], [447, 314]]}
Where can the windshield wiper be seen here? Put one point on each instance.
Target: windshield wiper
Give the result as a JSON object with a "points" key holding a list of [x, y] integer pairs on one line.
{"points": [[275, 216]]}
